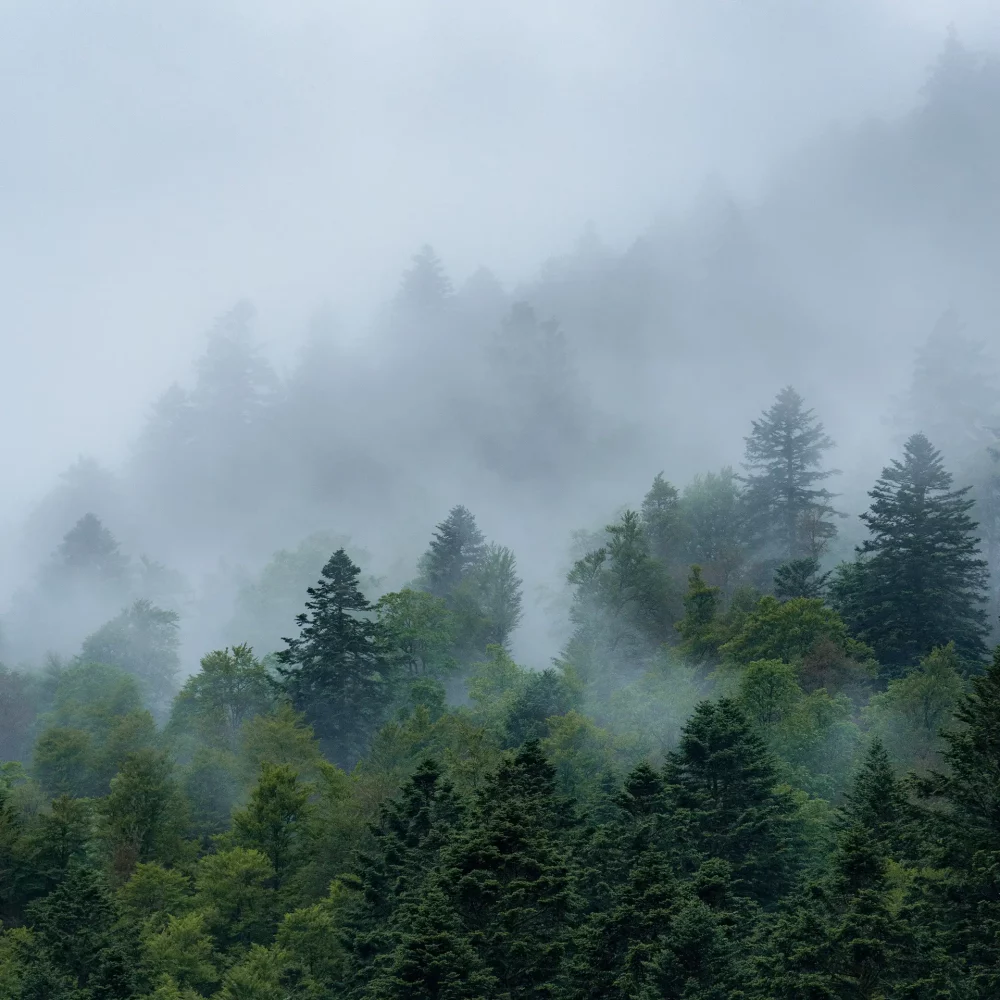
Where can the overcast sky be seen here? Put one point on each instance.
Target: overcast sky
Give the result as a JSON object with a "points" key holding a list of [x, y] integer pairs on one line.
{"points": [[161, 160]]}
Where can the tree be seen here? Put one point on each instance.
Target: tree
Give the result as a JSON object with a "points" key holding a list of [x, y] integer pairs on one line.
{"points": [[333, 672], [425, 290], [919, 582], [722, 783], [274, 820], [89, 553], [78, 930], [142, 641], [712, 519], [455, 552], [661, 519], [232, 687], [499, 593], [419, 631], [788, 515], [699, 628], [799, 578]]}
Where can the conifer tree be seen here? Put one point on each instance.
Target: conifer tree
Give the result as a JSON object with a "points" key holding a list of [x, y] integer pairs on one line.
{"points": [[456, 550], [511, 877], [788, 514], [89, 553], [722, 785], [661, 520], [799, 578], [333, 671], [919, 582]]}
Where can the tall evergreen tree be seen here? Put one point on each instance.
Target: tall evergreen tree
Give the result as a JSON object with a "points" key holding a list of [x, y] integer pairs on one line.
{"points": [[799, 578], [788, 514], [455, 552], [89, 553], [722, 782], [333, 671], [919, 582]]}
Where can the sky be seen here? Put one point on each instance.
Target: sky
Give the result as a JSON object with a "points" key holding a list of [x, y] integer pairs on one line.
{"points": [[161, 161]]}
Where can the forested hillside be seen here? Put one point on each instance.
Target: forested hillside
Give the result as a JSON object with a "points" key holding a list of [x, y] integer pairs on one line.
{"points": [[744, 775], [501, 652]]}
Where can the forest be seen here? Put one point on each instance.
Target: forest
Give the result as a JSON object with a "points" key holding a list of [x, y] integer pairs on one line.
{"points": [[612, 721]]}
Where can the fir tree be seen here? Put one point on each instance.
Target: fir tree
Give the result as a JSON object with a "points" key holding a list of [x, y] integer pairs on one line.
{"points": [[333, 671], [89, 553], [919, 582], [787, 513], [456, 550], [799, 578], [722, 785]]}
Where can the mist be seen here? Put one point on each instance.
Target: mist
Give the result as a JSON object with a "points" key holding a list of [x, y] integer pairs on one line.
{"points": [[649, 218]]}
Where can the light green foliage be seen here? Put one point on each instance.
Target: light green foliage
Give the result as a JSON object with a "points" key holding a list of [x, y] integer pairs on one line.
{"points": [[579, 751], [184, 950], [234, 891], [153, 893], [281, 738], [96, 722], [143, 641], [419, 632], [494, 685], [910, 715], [769, 691], [257, 977], [231, 687], [498, 593], [785, 630]]}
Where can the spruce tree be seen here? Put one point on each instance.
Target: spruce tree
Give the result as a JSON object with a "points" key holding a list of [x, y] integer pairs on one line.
{"points": [[799, 578], [722, 785], [333, 671], [919, 582], [89, 554], [456, 550], [788, 514], [511, 877]]}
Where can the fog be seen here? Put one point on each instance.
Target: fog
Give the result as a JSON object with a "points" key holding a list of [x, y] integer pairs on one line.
{"points": [[711, 199]]}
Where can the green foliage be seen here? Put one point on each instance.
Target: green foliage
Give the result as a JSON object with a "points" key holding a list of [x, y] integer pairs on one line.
{"points": [[800, 578], [712, 519], [143, 642], [454, 554], [912, 712], [419, 632], [661, 520], [334, 672], [234, 893], [231, 687], [498, 593], [787, 513], [919, 582]]}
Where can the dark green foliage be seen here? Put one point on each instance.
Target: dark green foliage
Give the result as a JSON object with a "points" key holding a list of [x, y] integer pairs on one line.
{"points": [[800, 578], [919, 582], [81, 937], [722, 785], [333, 672], [545, 694], [510, 877], [699, 628], [788, 515]]}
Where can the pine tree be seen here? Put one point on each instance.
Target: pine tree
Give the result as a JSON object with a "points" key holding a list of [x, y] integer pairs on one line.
{"points": [[333, 671], [722, 785], [456, 550], [919, 582], [787, 514]]}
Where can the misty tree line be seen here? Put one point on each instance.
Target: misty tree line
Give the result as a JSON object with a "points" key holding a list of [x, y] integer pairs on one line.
{"points": [[748, 776], [763, 764]]}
